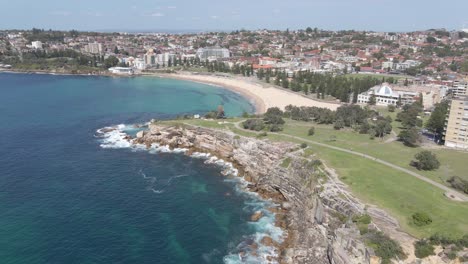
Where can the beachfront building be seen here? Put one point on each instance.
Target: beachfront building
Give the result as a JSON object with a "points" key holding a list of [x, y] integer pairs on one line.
{"points": [[385, 95], [212, 53], [456, 130], [121, 70]]}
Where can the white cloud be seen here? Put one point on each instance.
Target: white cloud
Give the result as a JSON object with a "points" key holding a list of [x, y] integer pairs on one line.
{"points": [[60, 13], [276, 11], [214, 17], [171, 7]]}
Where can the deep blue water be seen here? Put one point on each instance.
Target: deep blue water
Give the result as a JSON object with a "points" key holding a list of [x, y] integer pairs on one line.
{"points": [[65, 199]]}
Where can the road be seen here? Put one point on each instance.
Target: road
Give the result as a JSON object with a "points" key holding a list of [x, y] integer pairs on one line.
{"points": [[450, 193]]}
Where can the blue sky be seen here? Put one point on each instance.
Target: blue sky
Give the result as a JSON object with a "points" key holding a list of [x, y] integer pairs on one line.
{"points": [[379, 15]]}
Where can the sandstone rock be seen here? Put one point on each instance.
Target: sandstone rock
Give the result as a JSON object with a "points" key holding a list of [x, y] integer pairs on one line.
{"points": [[267, 241], [140, 134], [256, 216]]}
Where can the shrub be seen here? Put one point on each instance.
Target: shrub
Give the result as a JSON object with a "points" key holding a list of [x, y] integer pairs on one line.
{"points": [[339, 124], [303, 145], [423, 248], [426, 160], [311, 131], [421, 219], [384, 247], [458, 184], [452, 255], [263, 134], [254, 124], [362, 219], [276, 128], [391, 108]]}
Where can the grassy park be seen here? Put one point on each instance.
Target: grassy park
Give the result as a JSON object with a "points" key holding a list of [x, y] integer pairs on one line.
{"points": [[395, 191]]}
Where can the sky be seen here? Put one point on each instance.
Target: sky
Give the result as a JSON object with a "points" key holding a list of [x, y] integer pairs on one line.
{"points": [[203, 15]]}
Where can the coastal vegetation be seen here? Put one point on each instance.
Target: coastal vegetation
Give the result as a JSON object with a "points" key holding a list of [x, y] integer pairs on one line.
{"points": [[385, 247]]}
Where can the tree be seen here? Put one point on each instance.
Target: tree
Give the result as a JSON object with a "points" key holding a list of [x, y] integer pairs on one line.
{"points": [[391, 108], [436, 123], [311, 131], [431, 40], [116, 50], [410, 137], [111, 61], [220, 112], [426, 160], [339, 124], [372, 100]]}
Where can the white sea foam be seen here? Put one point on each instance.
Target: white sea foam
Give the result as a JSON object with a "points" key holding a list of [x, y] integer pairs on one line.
{"points": [[117, 138]]}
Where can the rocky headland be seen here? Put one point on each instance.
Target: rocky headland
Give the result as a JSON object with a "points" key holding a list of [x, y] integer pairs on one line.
{"points": [[315, 207], [313, 236]]}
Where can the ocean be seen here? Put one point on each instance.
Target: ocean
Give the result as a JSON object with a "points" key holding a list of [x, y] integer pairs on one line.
{"points": [[69, 196]]}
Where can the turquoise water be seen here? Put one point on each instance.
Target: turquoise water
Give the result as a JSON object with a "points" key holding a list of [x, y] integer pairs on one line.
{"points": [[66, 199]]}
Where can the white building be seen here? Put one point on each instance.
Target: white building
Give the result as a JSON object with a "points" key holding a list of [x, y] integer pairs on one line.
{"points": [[387, 65], [36, 44], [212, 53], [385, 95], [121, 70], [93, 48]]}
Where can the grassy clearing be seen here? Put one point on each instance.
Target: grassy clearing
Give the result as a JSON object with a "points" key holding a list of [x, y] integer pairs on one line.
{"points": [[453, 163]]}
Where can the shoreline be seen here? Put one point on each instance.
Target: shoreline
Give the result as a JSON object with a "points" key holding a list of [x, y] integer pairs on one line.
{"points": [[263, 97], [257, 102], [260, 96]]}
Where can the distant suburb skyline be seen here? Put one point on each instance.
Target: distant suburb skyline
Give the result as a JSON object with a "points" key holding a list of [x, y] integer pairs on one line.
{"points": [[146, 15]]}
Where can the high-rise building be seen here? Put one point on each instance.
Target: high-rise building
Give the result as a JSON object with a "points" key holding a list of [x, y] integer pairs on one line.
{"points": [[93, 48], [456, 131], [212, 53]]}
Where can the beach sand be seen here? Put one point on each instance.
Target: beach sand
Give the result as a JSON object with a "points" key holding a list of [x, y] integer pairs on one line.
{"points": [[262, 97]]}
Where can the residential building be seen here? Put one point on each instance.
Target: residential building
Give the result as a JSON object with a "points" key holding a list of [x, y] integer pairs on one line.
{"points": [[212, 53], [36, 44], [456, 132], [93, 48], [121, 70]]}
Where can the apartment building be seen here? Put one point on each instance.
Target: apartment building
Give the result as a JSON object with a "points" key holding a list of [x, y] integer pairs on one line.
{"points": [[456, 132]]}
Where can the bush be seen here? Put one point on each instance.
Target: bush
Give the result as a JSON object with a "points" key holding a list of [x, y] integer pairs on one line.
{"points": [[276, 128], [362, 219], [391, 108], [426, 160], [263, 134], [384, 247], [423, 248], [458, 184], [311, 131], [421, 219], [339, 124], [303, 145], [254, 124]]}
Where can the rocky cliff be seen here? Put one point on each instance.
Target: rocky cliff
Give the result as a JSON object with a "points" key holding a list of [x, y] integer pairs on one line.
{"points": [[312, 236]]}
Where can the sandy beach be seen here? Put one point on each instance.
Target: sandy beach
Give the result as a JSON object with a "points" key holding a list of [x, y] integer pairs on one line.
{"points": [[262, 97]]}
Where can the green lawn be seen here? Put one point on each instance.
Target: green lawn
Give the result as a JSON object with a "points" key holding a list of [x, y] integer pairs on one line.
{"points": [[397, 192]]}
